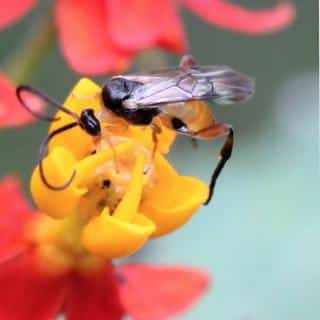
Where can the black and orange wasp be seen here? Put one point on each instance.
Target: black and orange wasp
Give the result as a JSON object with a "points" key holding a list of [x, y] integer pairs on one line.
{"points": [[175, 95]]}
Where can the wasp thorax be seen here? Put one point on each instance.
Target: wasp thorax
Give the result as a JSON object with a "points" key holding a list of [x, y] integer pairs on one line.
{"points": [[115, 91]]}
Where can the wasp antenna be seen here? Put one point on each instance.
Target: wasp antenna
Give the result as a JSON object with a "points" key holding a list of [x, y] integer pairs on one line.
{"points": [[42, 154], [225, 155], [46, 98]]}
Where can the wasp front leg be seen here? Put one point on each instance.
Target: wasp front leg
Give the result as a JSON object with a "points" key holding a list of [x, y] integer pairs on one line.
{"points": [[155, 131]]}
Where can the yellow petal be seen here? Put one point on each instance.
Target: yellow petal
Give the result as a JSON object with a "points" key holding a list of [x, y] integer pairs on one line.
{"points": [[129, 205], [111, 237], [84, 95], [58, 167], [91, 172], [87, 168], [173, 199], [121, 234]]}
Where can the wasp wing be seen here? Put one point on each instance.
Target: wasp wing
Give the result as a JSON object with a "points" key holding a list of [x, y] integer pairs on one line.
{"points": [[218, 83]]}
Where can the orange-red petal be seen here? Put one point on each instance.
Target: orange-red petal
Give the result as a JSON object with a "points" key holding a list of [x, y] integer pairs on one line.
{"points": [[227, 15], [172, 37], [26, 293], [14, 214], [132, 22], [11, 112], [14, 9], [94, 296], [137, 25], [85, 39], [158, 292]]}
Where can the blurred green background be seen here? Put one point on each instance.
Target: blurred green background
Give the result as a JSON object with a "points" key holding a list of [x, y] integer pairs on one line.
{"points": [[260, 235]]}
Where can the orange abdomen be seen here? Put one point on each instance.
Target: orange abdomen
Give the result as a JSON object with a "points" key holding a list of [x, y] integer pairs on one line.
{"points": [[198, 117]]}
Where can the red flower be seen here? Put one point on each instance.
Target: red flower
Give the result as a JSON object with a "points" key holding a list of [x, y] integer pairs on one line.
{"points": [[11, 112], [99, 36], [30, 289], [12, 10]]}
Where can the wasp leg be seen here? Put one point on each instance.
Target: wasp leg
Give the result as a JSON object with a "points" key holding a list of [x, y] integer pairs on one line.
{"points": [[225, 152], [155, 131], [114, 153], [194, 142], [214, 131]]}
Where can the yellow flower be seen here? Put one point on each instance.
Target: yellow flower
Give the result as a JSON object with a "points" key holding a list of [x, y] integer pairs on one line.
{"points": [[121, 196]]}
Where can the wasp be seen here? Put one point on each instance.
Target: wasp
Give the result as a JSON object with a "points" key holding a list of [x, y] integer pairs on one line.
{"points": [[175, 95]]}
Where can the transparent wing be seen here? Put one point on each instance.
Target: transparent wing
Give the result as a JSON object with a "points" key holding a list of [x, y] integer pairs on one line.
{"points": [[219, 83]]}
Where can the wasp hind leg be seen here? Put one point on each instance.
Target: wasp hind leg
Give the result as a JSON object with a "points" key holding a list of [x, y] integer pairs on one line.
{"points": [[214, 131], [225, 154], [194, 142]]}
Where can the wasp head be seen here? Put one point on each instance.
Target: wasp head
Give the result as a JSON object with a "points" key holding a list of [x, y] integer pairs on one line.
{"points": [[89, 122]]}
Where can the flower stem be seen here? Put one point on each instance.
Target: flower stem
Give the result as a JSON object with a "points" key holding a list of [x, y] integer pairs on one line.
{"points": [[28, 57]]}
